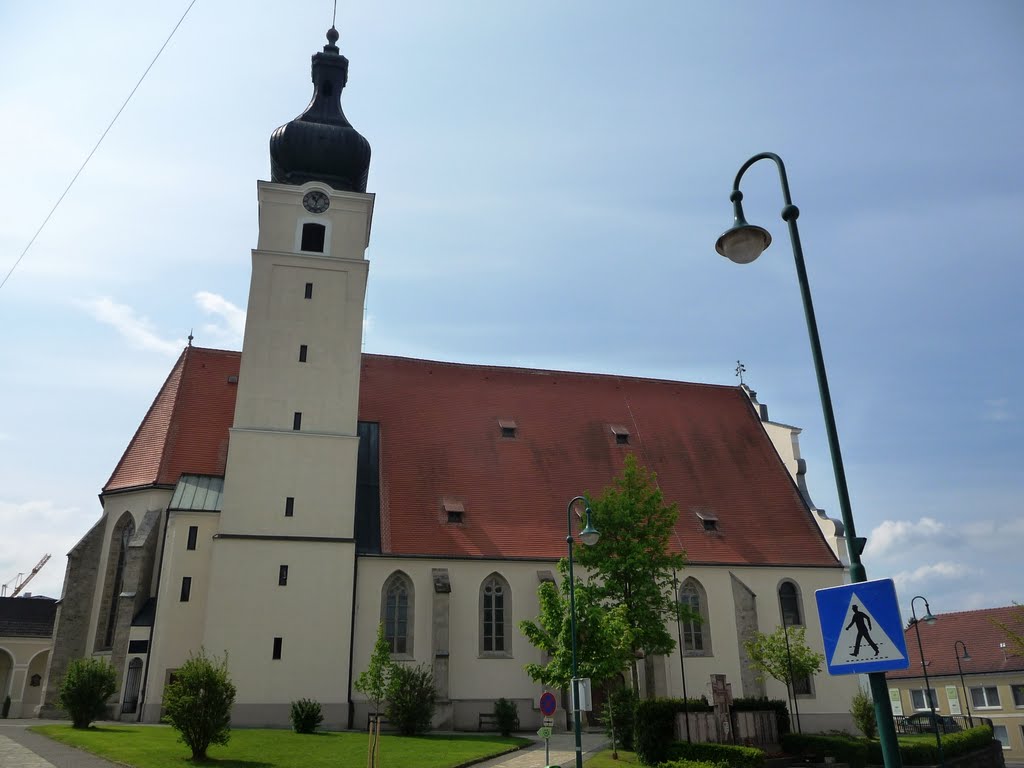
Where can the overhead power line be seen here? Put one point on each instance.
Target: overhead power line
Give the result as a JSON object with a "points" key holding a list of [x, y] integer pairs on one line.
{"points": [[97, 146]]}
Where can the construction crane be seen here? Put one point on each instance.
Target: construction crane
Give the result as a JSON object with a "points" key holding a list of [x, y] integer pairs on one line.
{"points": [[18, 583]]}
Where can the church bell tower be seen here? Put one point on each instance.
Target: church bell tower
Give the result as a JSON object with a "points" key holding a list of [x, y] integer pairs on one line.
{"points": [[283, 561]]}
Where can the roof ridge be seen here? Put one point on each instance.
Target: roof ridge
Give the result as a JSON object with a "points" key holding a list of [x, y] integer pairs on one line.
{"points": [[521, 369], [176, 369]]}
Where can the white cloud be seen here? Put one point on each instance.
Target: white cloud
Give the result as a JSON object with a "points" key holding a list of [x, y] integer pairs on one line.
{"points": [[135, 329], [231, 328], [943, 570], [894, 535], [39, 527]]}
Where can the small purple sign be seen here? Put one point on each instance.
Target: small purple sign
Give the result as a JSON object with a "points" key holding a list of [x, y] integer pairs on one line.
{"points": [[547, 703]]}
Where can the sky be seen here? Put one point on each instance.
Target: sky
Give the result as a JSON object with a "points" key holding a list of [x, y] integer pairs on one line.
{"points": [[550, 179]]}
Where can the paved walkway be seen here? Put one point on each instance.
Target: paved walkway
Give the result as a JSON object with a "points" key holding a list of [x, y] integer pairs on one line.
{"points": [[20, 748]]}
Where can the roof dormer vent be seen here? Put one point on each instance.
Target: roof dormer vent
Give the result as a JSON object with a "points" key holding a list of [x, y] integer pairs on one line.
{"points": [[508, 428], [707, 518], [621, 434], [454, 510]]}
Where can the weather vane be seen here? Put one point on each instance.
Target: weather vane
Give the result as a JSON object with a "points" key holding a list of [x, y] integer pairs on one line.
{"points": [[740, 370]]}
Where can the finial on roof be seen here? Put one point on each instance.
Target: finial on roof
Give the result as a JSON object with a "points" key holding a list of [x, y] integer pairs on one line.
{"points": [[332, 40], [740, 370], [190, 337]]}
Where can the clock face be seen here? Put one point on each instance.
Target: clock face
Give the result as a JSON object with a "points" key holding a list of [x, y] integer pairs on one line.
{"points": [[316, 201]]}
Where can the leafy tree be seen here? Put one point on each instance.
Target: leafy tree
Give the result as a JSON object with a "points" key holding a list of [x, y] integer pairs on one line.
{"points": [[631, 566], [604, 645], [411, 698], [1014, 630], [770, 655], [373, 683], [85, 689], [198, 702]]}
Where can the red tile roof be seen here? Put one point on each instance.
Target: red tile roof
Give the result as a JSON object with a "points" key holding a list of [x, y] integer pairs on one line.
{"points": [[186, 428], [977, 631], [440, 439]]}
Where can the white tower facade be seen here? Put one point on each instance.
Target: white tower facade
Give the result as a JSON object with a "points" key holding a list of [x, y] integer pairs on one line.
{"points": [[281, 583]]}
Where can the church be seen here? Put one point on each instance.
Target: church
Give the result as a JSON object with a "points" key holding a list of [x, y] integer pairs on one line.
{"points": [[279, 503]]}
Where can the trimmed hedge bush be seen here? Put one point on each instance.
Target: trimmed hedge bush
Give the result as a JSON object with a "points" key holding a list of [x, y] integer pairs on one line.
{"points": [[729, 755], [84, 691], [306, 715], [844, 750], [506, 713], [692, 764], [953, 744]]}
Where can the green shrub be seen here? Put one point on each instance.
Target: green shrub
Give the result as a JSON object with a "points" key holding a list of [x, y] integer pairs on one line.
{"points": [[306, 715], [411, 698], [970, 740], [844, 750], [762, 704], [506, 713], [654, 726], [6, 708], [692, 764], [198, 702], [863, 711], [726, 754], [85, 689], [618, 713]]}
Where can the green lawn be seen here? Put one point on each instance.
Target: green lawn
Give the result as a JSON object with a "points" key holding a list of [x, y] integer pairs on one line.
{"points": [[158, 747], [604, 759]]}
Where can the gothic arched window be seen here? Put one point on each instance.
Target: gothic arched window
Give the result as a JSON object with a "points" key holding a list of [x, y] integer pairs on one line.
{"points": [[397, 613], [495, 611]]}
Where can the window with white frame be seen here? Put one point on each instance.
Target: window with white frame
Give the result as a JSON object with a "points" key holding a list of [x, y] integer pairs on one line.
{"points": [[985, 697], [789, 602], [917, 697], [696, 630], [494, 612], [1000, 734], [397, 613]]}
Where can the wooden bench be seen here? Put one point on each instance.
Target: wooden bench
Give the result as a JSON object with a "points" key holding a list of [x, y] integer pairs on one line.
{"points": [[490, 719]]}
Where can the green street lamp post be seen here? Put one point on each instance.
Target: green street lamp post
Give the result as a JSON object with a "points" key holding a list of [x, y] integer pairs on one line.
{"points": [[743, 243], [928, 619], [966, 657], [589, 536]]}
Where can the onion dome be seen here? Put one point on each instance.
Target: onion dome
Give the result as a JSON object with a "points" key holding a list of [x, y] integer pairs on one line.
{"points": [[321, 144]]}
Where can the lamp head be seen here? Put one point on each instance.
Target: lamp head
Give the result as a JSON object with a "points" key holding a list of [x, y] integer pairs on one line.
{"points": [[928, 618], [589, 535], [966, 656], [743, 242]]}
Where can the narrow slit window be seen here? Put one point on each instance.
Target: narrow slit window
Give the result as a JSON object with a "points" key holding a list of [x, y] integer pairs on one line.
{"points": [[303, 349], [186, 588], [282, 576], [313, 237], [289, 506], [277, 648], [297, 421], [193, 535], [309, 290]]}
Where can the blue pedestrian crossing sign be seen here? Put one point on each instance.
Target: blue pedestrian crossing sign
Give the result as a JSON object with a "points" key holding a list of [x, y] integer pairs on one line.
{"points": [[861, 628]]}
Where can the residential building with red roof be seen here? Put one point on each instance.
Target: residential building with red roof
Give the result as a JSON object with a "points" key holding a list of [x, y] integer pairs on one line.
{"points": [[974, 669], [278, 504]]}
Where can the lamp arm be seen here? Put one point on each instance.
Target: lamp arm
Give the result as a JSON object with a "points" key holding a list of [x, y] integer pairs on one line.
{"points": [[783, 178]]}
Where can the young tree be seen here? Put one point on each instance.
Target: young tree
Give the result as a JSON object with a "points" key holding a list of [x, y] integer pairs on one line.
{"points": [[1014, 630], [863, 711], [773, 656], [631, 566], [85, 689], [373, 682], [198, 703]]}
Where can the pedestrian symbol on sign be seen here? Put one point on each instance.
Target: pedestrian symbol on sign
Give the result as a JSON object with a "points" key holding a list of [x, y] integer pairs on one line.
{"points": [[860, 619]]}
